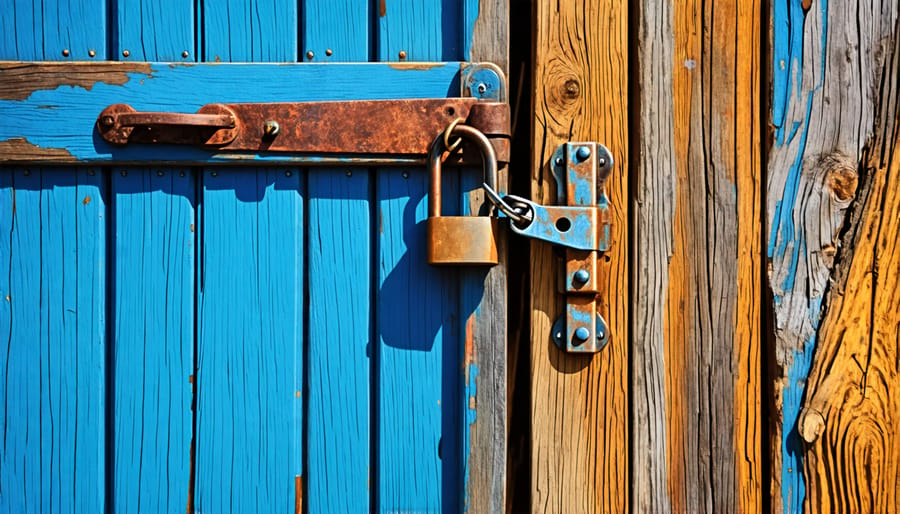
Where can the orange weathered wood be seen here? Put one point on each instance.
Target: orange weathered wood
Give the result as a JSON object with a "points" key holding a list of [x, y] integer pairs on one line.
{"points": [[579, 404]]}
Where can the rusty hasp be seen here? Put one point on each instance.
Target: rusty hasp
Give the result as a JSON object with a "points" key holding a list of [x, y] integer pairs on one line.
{"points": [[390, 128]]}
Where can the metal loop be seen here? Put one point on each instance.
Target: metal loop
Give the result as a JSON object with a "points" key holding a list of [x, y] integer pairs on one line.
{"points": [[435, 155], [516, 215], [452, 147]]}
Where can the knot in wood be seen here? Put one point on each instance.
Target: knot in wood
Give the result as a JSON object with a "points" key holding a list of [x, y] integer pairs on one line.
{"points": [[572, 89], [841, 176]]}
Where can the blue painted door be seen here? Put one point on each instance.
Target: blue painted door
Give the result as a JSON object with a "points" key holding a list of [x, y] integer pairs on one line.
{"points": [[179, 334]]}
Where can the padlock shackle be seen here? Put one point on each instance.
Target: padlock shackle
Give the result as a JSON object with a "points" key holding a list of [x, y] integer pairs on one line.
{"points": [[435, 160]]}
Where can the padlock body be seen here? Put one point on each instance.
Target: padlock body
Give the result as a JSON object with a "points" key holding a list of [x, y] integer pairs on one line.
{"points": [[462, 240]]}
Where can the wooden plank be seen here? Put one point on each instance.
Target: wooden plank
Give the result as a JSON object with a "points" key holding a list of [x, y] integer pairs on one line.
{"points": [[485, 38], [579, 404], [695, 381], [153, 289], [412, 30], [851, 406], [340, 345], [63, 30], [827, 76], [418, 354], [340, 249], [53, 363], [153, 30], [49, 112], [153, 364], [250, 346]]}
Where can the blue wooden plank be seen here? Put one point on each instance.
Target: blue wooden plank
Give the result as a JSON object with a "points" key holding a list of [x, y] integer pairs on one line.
{"points": [[250, 342], [335, 31], [340, 350], [54, 452], [248, 31], [154, 332], [62, 116], [339, 247], [53, 30], [422, 30], [418, 354], [154, 30]]}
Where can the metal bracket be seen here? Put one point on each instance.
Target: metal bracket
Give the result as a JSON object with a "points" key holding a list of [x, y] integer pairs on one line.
{"points": [[582, 226]]}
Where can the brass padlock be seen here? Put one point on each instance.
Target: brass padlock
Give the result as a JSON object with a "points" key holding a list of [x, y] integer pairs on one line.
{"points": [[465, 240]]}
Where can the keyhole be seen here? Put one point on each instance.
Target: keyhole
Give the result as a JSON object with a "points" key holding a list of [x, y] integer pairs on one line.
{"points": [[563, 224]]}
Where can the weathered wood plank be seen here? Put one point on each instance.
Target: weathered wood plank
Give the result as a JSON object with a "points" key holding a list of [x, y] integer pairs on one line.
{"points": [[698, 260], [828, 62], [154, 30], [852, 407], [579, 404], [340, 247], [485, 38]]}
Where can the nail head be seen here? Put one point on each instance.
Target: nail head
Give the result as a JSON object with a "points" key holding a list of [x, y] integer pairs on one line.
{"points": [[310, 54], [328, 51], [125, 53], [402, 54], [92, 53]]}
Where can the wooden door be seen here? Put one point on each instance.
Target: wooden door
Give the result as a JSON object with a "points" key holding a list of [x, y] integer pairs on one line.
{"points": [[187, 331]]}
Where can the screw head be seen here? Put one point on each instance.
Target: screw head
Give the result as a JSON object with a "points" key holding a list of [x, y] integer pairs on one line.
{"points": [[582, 334], [271, 128], [581, 276], [125, 53], [583, 153]]}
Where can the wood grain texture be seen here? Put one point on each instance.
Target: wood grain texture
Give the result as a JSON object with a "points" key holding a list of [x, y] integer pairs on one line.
{"points": [[709, 204], [828, 61], [851, 407], [154, 30], [485, 38], [53, 30], [579, 404]]}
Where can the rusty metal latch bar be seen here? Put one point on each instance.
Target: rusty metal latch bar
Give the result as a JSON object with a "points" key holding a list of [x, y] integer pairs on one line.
{"points": [[401, 128], [582, 226]]}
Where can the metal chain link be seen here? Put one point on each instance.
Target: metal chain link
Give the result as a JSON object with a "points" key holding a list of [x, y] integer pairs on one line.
{"points": [[520, 213], [447, 145]]}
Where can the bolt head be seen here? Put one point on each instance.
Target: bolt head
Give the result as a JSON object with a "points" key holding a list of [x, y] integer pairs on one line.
{"points": [[582, 334], [482, 88], [271, 128], [581, 276], [583, 153], [559, 162]]}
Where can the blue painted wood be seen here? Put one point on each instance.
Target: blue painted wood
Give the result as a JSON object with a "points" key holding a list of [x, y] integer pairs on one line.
{"points": [[339, 246], [64, 117], [249, 376], [42, 31], [418, 353], [340, 341], [250, 31], [54, 371], [338, 26], [425, 30], [154, 30], [154, 332]]}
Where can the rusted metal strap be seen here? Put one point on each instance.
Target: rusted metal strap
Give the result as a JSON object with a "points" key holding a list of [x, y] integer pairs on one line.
{"points": [[403, 128]]}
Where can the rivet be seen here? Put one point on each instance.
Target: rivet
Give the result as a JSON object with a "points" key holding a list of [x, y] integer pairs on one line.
{"points": [[601, 162], [159, 173], [310, 54], [271, 128], [287, 173], [559, 161], [583, 153], [125, 53], [581, 276], [92, 53], [405, 174], [481, 88], [214, 174], [123, 173], [328, 51], [581, 334], [185, 54], [349, 173], [402, 54], [66, 52]]}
